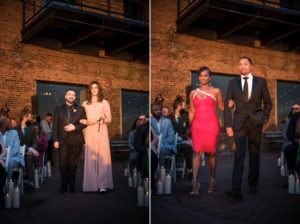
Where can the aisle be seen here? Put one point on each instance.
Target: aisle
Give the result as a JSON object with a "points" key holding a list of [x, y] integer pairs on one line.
{"points": [[46, 205]]}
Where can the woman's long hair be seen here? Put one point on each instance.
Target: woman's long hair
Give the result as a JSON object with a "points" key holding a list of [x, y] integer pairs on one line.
{"points": [[89, 92]]}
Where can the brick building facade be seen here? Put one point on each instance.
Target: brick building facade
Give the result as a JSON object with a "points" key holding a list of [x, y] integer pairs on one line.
{"points": [[174, 55], [23, 64]]}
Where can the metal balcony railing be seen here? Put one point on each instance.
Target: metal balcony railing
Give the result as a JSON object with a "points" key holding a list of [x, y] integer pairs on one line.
{"points": [[31, 9], [184, 5]]}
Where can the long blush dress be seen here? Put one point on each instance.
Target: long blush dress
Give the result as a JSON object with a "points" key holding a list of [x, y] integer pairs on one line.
{"points": [[205, 124], [97, 160]]}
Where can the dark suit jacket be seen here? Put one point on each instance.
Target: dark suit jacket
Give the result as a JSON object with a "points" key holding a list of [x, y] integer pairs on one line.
{"points": [[140, 136], [258, 106], [182, 126], [60, 121], [25, 139], [291, 134]]}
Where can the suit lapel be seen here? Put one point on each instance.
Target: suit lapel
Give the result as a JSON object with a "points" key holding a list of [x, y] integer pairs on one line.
{"points": [[239, 85], [73, 112], [254, 85], [65, 113]]}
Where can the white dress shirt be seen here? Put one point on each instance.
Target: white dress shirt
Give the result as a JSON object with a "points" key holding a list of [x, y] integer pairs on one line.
{"points": [[249, 81]]}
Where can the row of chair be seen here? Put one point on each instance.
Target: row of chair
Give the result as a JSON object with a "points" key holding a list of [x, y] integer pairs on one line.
{"points": [[19, 169]]}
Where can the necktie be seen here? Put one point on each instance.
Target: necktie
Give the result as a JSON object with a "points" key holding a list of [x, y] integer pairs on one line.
{"points": [[245, 92]]}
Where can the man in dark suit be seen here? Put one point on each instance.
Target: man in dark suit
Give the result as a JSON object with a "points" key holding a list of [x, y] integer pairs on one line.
{"points": [[252, 109], [68, 137]]}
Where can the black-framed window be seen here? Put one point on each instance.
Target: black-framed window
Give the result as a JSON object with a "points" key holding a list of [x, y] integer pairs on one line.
{"points": [[288, 93], [136, 9], [293, 4], [50, 94], [219, 80], [134, 103]]}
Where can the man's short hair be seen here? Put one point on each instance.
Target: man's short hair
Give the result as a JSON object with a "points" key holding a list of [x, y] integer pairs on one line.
{"points": [[70, 89], [249, 59], [156, 104]]}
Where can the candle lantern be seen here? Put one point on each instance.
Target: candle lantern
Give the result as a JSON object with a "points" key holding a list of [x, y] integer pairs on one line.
{"points": [[140, 196], [16, 198], [159, 187], [168, 185]]}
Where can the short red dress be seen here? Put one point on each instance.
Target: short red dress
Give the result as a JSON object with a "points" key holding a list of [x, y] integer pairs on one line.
{"points": [[205, 125]]}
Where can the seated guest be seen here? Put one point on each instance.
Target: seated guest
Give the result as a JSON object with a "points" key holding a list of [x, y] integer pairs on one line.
{"points": [[293, 135], [154, 155], [46, 125], [3, 173], [132, 153], [141, 147], [40, 144], [25, 131], [13, 122], [165, 112], [163, 126], [10, 139], [180, 123]]}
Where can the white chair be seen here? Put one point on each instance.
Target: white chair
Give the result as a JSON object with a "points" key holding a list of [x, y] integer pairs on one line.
{"points": [[18, 169], [7, 157], [21, 169], [6, 164], [173, 161], [181, 165]]}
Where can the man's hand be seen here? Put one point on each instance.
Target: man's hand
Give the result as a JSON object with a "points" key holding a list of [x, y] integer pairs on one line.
{"points": [[69, 127], [83, 121], [229, 132], [3, 163], [56, 145], [230, 104]]}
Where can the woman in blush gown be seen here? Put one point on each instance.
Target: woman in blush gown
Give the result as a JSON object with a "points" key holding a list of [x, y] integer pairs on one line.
{"points": [[97, 161], [205, 126]]}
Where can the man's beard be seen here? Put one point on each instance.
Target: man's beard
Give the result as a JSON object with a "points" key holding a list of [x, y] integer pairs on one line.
{"points": [[70, 101]]}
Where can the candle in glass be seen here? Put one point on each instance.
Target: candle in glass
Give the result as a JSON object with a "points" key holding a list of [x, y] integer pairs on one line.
{"points": [[7, 201], [16, 198], [10, 187], [168, 185], [130, 182], [159, 187], [146, 200], [140, 196]]}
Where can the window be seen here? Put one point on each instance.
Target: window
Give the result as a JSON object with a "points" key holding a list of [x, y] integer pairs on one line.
{"points": [[288, 93], [218, 80], [134, 103], [49, 95], [135, 9], [293, 4]]}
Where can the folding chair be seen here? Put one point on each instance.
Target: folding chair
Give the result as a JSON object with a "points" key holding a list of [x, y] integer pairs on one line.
{"points": [[21, 170]]}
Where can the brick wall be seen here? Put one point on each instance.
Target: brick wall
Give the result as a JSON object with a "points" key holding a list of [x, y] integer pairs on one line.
{"points": [[174, 55], [21, 65]]}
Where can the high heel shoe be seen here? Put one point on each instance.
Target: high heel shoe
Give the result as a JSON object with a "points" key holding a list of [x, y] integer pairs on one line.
{"points": [[211, 186], [196, 187]]}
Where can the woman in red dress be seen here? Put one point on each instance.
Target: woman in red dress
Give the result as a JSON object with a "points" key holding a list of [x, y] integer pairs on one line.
{"points": [[205, 126]]}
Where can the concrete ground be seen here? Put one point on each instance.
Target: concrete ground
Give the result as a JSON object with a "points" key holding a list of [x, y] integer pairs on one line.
{"points": [[272, 204], [46, 205]]}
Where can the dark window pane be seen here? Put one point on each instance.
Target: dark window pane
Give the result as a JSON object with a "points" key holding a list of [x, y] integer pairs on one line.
{"points": [[288, 93], [134, 9], [134, 103], [49, 95]]}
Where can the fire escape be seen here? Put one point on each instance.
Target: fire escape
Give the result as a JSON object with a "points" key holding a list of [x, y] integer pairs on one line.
{"points": [[108, 28], [270, 23]]}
